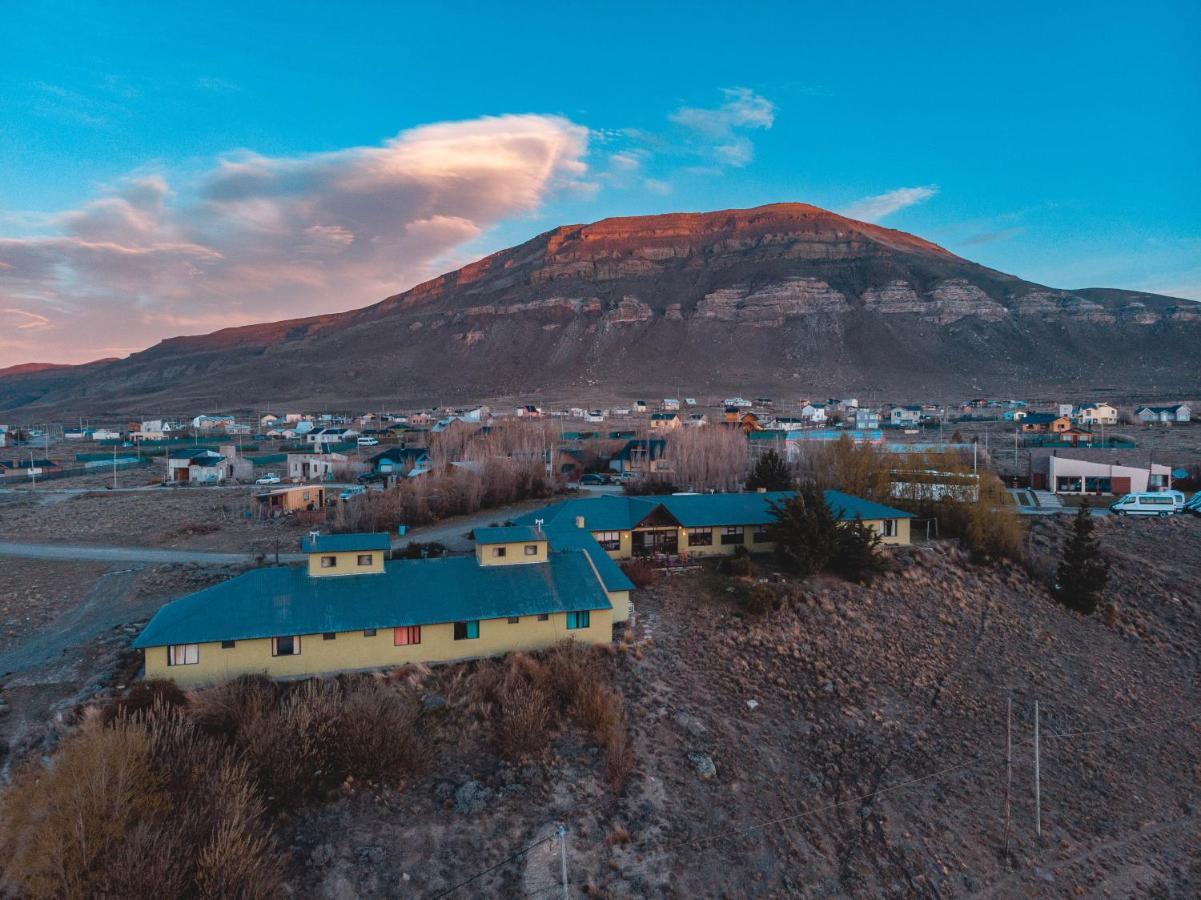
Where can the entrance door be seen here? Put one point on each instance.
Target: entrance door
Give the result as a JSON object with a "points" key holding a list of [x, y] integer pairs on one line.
{"points": [[661, 540]]}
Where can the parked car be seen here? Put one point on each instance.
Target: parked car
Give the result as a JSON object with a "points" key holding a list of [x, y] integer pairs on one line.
{"points": [[269, 478], [1159, 503], [368, 441], [352, 492], [593, 478]]}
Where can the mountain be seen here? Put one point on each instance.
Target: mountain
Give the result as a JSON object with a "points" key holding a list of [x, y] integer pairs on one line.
{"points": [[784, 299]]}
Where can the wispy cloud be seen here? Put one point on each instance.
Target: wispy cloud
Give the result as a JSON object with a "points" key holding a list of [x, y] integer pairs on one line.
{"points": [[718, 132], [880, 206], [268, 237], [991, 237]]}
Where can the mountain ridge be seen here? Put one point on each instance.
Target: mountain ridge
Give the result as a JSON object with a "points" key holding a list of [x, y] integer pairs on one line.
{"points": [[627, 304]]}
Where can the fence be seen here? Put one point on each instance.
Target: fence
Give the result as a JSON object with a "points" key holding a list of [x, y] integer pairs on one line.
{"points": [[15, 476]]}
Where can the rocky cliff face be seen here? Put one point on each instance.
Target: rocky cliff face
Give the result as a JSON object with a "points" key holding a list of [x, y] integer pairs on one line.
{"points": [[774, 298]]}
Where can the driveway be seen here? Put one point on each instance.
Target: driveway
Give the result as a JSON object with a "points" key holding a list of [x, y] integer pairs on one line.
{"points": [[132, 554]]}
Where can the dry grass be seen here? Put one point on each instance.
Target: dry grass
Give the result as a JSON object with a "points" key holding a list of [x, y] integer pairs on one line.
{"points": [[641, 572]]}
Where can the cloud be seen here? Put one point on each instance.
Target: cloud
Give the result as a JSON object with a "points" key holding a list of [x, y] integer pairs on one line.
{"points": [[873, 209], [743, 108], [991, 237], [257, 237]]}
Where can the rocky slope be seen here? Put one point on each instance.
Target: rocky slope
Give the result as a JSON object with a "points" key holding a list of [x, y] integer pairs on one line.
{"points": [[780, 298]]}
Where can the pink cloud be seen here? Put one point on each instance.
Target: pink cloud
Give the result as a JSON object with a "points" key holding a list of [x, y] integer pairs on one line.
{"points": [[262, 238]]}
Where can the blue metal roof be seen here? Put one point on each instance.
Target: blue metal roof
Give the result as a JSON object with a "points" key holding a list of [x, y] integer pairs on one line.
{"points": [[336, 543], [510, 534], [274, 602], [610, 572]]}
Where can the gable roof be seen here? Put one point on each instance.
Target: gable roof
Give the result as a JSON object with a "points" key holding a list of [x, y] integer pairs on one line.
{"points": [[655, 448], [272, 602], [508, 534], [335, 543]]}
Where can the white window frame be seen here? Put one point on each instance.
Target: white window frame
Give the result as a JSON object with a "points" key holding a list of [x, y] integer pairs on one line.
{"points": [[183, 654], [295, 645], [888, 528]]}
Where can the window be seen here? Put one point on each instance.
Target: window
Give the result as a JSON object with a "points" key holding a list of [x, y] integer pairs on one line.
{"points": [[543, 617], [609, 540], [888, 528], [531, 549], [733, 535], [328, 636], [368, 632], [406, 635], [498, 552], [285, 646], [329, 562], [579, 619], [467, 631], [183, 654], [513, 620], [700, 537], [364, 559], [760, 535], [227, 645]]}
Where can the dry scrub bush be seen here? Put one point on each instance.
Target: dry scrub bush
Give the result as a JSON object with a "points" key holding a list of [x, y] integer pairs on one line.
{"points": [[642, 572], [524, 709], [378, 732]]}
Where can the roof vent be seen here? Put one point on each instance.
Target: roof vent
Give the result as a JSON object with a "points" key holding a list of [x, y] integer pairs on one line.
{"points": [[314, 534], [579, 521], [538, 525]]}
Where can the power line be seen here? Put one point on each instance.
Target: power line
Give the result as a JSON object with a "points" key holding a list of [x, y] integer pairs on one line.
{"points": [[503, 862]]}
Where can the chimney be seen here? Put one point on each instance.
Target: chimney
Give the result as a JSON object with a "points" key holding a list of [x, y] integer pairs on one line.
{"points": [[579, 521]]}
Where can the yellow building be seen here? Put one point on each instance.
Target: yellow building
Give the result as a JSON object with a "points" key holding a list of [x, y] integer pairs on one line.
{"points": [[698, 524], [348, 608]]}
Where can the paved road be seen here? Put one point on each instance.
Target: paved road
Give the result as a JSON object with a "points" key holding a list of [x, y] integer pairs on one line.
{"points": [[131, 554]]}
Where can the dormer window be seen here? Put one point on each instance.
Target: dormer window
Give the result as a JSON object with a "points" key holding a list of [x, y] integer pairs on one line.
{"points": [[329, 562], [365, 559], [531, 549], [499, 552]]}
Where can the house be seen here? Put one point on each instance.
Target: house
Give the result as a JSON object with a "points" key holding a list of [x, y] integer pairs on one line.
{"points": [[474, 414], [639, 406], [197, 465], [1179, 412], [747, 421], [670, 403], [528, 411], [905, 416], [1041, 423], [29, 467], [866, 419], [106, 434], [324, 437], [698, 524], [665, 421], [594, 416], [814, 413], [3, 435], [211, 423], [349, 608], [289, 500], [315, 466], [641, 457], [1096, 414], [400, 461], [696, 420], [690, 401], [269, 420], [738, 402], [1077, 475], [568, 464], [153, 430]]}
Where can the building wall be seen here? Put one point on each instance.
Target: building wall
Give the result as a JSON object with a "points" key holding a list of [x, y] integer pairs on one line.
{"points": [[514, 553], [623, 607], [717, 548], [347, 563], [352, 650]]}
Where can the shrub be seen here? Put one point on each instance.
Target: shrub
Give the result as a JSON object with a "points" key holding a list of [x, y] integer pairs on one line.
{"points": [[642, 572], [377, 731], [759, 600], [737, 566], [805, 532], [141, 696], [525, 716]]}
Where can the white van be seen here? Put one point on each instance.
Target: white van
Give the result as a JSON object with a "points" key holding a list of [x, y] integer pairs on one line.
{"points": [[1160, 503]]}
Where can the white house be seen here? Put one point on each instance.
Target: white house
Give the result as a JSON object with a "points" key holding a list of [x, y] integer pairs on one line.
{"points": [[1096, 414], [314, 466], [814, 413], [866, 419], [474, 414], [529, 411], [740, 402], [106, 434], [1179, 412], [323, 437], [153, 430], [209, 423], [1064, 475], [905, 416], [196, 466], [670, 403]]}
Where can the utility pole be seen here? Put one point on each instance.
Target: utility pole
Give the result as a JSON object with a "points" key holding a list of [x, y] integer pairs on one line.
{"points": [[114, 467], [1038, 808], [563, 859]]}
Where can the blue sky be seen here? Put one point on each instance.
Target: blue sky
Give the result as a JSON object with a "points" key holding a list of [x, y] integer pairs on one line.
{"points": [[172, 168]]}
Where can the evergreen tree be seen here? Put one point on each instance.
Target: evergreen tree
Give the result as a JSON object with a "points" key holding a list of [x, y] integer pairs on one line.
{"points": [[770, 473], [805, 532], [856, 554], [1083, 571]]}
